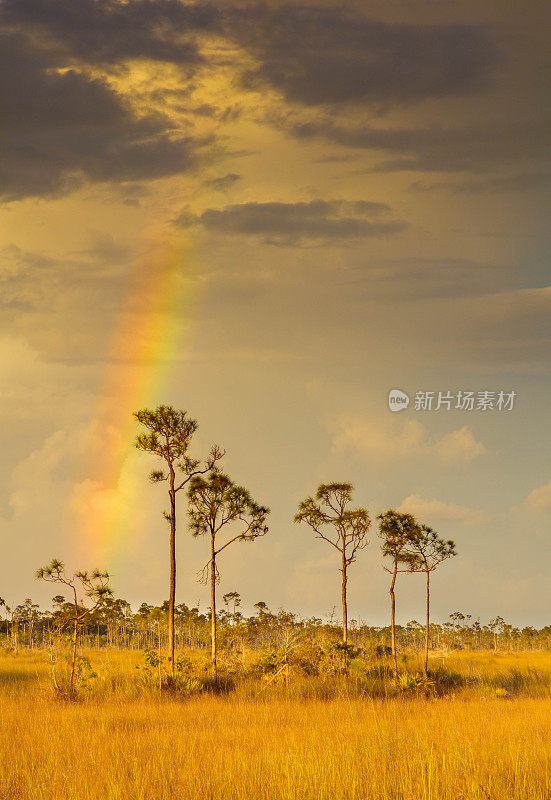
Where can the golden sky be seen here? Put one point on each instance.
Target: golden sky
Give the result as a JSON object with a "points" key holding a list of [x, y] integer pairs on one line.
{"points": [[271, 214]]}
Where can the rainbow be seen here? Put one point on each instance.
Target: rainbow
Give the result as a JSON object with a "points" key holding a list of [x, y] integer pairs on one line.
{"points": [[150, 336]]}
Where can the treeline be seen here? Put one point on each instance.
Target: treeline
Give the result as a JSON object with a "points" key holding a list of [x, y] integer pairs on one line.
{"points": [[116, 625], [223, 513]]}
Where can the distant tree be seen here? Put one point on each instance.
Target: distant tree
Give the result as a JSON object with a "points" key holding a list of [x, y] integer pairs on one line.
{"points": [[496, 625], [10, 626], [144, 611], [215, 504], [235, 599], [168, 436], [397, 531], [96, 587], [328, 512], [262, 609], [27, 613], [458, 619], [430, 550]]}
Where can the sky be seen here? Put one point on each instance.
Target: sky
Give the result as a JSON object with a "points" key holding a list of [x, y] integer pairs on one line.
{"points": [[270, 215]]}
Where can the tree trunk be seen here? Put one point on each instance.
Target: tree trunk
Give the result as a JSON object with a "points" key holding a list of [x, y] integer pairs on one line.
{"points": [[427, 623], [74, 653], [393, 622], [344, 616], [172, 596], [213, 609], [344, 603]]}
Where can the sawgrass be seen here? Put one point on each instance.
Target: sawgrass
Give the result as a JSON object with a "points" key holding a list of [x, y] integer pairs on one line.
{"points": [[123, 739]]}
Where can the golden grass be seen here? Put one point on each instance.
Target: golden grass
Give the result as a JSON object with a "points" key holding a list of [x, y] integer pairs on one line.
{"points": [[122, 745]]}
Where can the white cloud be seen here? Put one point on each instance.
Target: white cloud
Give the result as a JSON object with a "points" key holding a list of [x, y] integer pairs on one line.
{"points": [[105, 514], [398, 438], [429, 511], [380, 438], [83, 484], [540, 498], [459, 446]]}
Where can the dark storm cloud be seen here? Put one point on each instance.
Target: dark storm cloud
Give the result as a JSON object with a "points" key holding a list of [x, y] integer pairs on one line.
{"points": [[223, 183], [62, 128], [293, 224], [523, 182], [316, 55], [312, 53], [100, 31], [407, 279], [33, 95], [55, 164], [438, 148]]}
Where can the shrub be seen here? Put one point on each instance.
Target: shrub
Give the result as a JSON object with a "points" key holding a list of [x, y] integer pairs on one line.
{"points": [[183, 681]]}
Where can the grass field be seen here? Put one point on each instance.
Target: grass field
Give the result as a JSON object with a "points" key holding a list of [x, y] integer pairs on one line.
{"points": [[490, 738]]}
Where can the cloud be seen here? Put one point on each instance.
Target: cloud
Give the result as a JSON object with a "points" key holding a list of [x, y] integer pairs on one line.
{"points": [[223, 182], [510, 325], [316, 55], [90, 30], [539, 499], [521, 182], [501, 330], [388, 439], [47, 300], [95, 507], [33, 281], [78, 515], [25, 279], [429, 511], [293, 224], [62, 128], [24, 377], [402, 279], [440, 148], [392, 438], [349, 57], [459, 446]]}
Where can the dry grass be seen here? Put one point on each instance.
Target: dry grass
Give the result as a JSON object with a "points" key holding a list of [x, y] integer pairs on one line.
{"points": [[125, 742]]}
